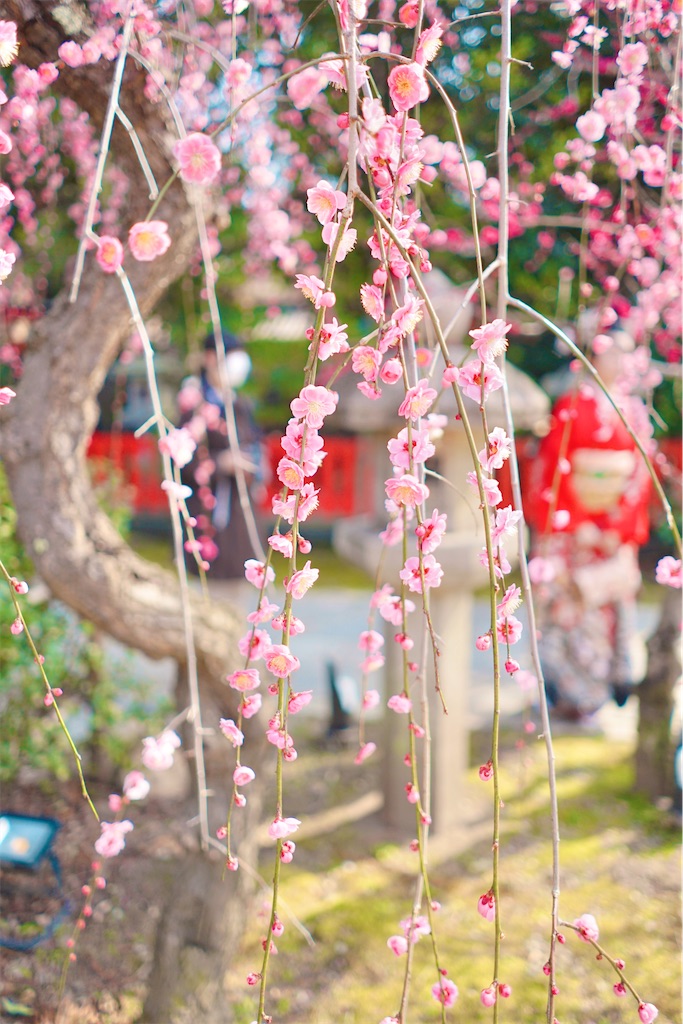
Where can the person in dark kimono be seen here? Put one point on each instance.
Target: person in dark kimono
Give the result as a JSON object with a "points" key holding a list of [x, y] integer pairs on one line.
{"points": [[224, 534]]}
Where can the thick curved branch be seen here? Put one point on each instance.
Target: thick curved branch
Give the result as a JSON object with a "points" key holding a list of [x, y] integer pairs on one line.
{"points": [[45, 431]]}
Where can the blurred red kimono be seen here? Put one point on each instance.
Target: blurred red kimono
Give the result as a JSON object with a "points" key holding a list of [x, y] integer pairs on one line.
{"points": [[589, 511]]}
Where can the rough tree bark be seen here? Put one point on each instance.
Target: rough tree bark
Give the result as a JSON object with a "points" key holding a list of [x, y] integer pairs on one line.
{"points": [[45, 431], [75, 548], [655, 750]]}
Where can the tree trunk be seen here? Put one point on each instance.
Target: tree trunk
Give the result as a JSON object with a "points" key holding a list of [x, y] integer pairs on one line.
{"points": [[655, 751], [45, 431], [200, 927], [75, 548]]}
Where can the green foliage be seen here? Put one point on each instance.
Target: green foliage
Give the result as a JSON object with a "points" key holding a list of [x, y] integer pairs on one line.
{"points": [[99, 703]]}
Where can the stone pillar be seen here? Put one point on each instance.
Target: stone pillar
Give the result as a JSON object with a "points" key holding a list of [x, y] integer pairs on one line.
{"points": [[451, 612]]}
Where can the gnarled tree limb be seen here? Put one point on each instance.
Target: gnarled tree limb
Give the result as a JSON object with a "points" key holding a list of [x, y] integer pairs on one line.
{"points": [[45, 431]]}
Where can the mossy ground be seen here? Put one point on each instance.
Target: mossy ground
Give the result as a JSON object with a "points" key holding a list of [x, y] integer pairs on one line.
{"points": [[620, 860]]}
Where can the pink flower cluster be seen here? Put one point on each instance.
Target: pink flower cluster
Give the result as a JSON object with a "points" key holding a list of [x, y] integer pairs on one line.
{"points": [[158, 752]]}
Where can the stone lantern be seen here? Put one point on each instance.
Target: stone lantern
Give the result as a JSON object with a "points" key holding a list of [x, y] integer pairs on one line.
{"points": [[451, 604]]}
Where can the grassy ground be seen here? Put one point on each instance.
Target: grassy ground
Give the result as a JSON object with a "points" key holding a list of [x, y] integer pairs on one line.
{"points": [[620, 862]]}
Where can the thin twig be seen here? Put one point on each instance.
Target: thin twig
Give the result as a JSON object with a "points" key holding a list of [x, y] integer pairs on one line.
{"points": [[103, 152]]}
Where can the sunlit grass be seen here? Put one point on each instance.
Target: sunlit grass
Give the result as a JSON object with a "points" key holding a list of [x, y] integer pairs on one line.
{"points": [[620, 862]]}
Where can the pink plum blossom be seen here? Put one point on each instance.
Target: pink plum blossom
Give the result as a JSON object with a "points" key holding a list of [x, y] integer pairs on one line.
{"points": [[301, 581], [668, 572], [346, 243], [406, 491], [148, 239], [505, 524], [179, 445], [391, 610], [251, 705], [473, 375], [430, 532], [647, 1012], [281, 827], [487, 906], [591, 126], [418, 400], [157, 752], [632, 58], [366, 751], [280, 661], [619, 106], [445, 992], [499, 449], [109, 254], [135, 786], [231, 732], [391, 371], [488, 996], [238, 73], [325, 201], [314, 404], [179, 492], [6, 395], [509, 629], [410, 443], [366, 361], [333, 339], [371, 641], [511, 600], [428, 44], [313, 289], [490, 340], [7, 260], [415, 928], [9, 46], [264, 613], [244, 680], [370, 699], [501, 565], [282, 544], [299, 700], [290, 474], [407, 86], [257, 573], [587, 928], [287, 851], [303, 87], [577, 187], [492, 493], [253, 644], [111, 840], [431, 570], [71, 53], [400, 704], [199, 159], [372, 301], [407, 317], [307, 504], [243, 775], [398, 944]]}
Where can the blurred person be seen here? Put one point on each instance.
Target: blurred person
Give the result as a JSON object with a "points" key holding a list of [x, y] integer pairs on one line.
{"points": [[590, 515], [222, 530]]}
